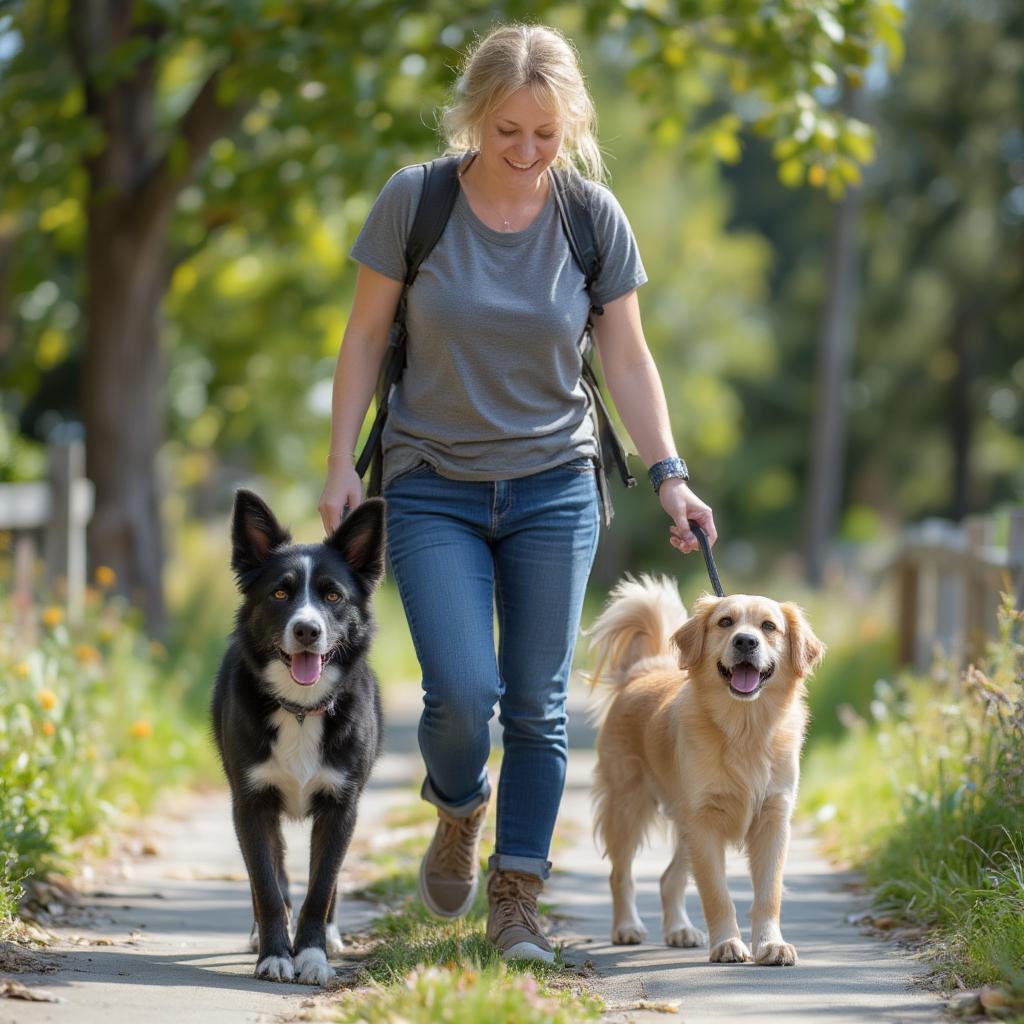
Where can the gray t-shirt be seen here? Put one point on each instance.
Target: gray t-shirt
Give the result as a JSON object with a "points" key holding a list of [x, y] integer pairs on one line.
{"points": [[491, 389]]}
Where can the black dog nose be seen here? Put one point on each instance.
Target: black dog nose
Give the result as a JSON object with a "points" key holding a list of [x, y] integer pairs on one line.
{"points": [[745, 643], [306, 632]]}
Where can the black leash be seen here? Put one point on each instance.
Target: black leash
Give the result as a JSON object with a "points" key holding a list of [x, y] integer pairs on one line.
{"points": [[702, 539]]}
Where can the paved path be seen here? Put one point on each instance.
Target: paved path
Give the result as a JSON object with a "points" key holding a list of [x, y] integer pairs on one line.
{"points": [[176, 924]]}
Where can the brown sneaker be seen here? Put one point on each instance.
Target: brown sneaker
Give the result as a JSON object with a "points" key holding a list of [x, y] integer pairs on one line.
{"points": [[512, 922], [450, 867]]}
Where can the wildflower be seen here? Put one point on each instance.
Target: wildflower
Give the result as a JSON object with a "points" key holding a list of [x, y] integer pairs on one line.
{"points": [[47, 699], [49, 728], [141, 729], [53, 616], [105, 576], [87, 654], [21, 670]]}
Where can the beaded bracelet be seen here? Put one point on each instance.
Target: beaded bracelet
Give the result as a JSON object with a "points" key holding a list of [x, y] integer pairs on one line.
{"points": [[667, 469]]}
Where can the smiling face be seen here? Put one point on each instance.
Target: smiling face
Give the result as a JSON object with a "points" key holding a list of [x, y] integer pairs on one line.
{"points": [[519, 140], [743, 644]]}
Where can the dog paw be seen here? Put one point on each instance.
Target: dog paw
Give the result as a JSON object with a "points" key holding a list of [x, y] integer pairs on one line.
{"points": [[276, 968], [687, 937], [313, 969], [732, 951], [631, 934], [776, 954], [335, 947]]}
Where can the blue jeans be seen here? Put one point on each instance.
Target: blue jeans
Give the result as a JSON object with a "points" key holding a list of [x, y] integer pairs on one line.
{"points": [[458, 550]]}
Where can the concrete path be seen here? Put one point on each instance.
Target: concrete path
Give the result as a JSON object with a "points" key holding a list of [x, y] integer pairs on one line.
{"points": [[166, 941]]}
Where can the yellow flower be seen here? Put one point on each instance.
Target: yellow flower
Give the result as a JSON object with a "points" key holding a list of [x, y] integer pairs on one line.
{"points": [[817, 175], [49, 728], [21, 670], [87, 654], [47, 699], [141, 729], [105, 576], [53, 616]]}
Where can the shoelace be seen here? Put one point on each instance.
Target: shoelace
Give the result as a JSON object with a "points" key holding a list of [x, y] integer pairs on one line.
{"points": [[456, 849], [512, 903]]}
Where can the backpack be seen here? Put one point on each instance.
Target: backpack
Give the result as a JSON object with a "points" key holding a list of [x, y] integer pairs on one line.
{"points": [[437, 199]]}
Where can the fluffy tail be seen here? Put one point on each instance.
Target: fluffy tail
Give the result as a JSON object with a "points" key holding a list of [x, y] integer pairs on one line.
{"points": [[636, 624]]}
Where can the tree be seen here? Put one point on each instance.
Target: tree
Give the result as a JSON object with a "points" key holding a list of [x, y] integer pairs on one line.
{"points": [[165, 123]]}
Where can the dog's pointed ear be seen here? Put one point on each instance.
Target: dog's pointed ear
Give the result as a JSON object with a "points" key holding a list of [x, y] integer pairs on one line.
{"points": [[805, 649], [360, 539], [688, 639], [255, 532]]}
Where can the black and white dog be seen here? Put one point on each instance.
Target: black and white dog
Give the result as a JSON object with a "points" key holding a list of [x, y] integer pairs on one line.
{"points": [[297, 719]]}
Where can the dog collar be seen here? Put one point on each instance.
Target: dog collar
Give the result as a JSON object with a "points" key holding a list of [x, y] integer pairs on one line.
{"points": [[300, 711]]}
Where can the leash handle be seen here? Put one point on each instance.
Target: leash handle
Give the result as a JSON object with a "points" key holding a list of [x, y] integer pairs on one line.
{"points": [[702, 539]]}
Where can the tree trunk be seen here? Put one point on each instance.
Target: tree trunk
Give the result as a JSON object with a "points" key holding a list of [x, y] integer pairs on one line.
{"points": [[829, 428], [122, 388], [960, 412]]}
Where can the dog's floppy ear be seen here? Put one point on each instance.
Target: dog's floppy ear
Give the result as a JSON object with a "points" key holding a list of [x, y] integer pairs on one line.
{"points": [[805, 649], [689, 637], [360, 539], [255, 532]]}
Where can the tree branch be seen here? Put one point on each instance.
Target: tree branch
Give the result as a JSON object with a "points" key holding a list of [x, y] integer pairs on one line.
{"points": [[205, 121]]}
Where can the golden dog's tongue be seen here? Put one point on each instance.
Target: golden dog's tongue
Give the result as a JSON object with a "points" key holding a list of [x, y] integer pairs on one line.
{"points": [[306, 667], [744, 678]]}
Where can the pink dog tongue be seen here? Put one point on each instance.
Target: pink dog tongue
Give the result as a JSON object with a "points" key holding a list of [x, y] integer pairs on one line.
{"points": [[745, 678], [306, 667]]}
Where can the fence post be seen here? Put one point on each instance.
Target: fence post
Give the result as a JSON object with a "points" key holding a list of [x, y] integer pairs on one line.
{"points": [[1015, 564], [977, 586], [909, 604], [65, 531]]}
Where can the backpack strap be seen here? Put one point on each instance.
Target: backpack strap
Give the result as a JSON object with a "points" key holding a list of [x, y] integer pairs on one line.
{"points": [[578, 225], [437, 200]]}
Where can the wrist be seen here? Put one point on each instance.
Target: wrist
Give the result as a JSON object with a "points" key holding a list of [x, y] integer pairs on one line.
{"points": [[672, 468]]}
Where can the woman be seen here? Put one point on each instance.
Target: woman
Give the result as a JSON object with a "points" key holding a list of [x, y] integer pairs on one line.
{"points": [[489, 454]]}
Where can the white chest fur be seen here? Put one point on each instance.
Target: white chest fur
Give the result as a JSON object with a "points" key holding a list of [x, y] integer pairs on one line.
{"points": [[295, 768]]}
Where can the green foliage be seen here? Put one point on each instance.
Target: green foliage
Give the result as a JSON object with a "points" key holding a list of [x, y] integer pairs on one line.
{"points": [[11, 892], [929, 801], [20, 459], [91, 729]]}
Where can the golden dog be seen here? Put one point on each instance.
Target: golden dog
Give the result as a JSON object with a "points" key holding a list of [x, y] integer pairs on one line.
{"points": [[715, 746]]}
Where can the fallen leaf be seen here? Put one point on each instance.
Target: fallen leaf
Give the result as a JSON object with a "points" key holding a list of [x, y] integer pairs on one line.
{"points": [[15, 990]]}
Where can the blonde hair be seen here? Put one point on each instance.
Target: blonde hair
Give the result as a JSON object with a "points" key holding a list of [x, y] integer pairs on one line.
{"points": [[540, 58]]}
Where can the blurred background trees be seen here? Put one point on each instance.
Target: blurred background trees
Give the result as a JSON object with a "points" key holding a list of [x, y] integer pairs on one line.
{"points": [[184, 183]]}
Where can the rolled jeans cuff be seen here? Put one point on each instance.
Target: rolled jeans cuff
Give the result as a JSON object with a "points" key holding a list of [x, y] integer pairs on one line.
{"points": [[463, 810], [528, 865]]}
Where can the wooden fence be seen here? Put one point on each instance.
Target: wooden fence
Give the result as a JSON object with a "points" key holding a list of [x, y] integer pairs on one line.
{"points": [[56, 510], [950, 581]]}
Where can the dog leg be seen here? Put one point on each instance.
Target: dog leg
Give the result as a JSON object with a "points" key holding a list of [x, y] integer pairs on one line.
{"points": [[707, 857], [257, 822], [333, 823], [622, 824], [678, 929], [335, 946], [767, 845]]}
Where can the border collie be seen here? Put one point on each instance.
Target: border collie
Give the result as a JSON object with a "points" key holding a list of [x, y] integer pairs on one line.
{"points": [[297, 719]]}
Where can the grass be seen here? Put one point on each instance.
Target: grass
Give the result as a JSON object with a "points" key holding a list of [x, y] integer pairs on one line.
{"points": [[926, 796]]}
